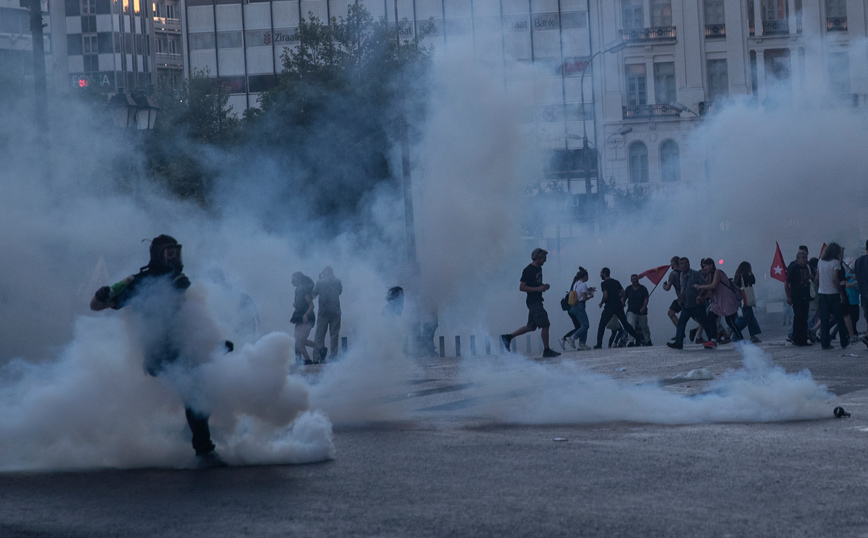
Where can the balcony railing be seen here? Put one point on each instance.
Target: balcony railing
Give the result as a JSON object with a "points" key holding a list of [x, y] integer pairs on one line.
{"points": [[778, 27], [836, 24], [713, 31], [631, 112], [644, 35]]}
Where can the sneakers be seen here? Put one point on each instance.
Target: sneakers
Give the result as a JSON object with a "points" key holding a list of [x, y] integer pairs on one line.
{"points": [[598, 346], [755, 340], [673, 345], [506, 339], [572, 342], [711, 344], [549, 352], [209, 460], [322, 354], [584, 347], [562, 342], [693, 334]]}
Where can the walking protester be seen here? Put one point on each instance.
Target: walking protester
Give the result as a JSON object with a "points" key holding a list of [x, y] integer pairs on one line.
{"points": [[744, 281], [693, 306], [303, 318], [813, 274], [853, 302], [157, 295], [829, 294], [612, 305], [798, 288], [616, 338], [814, 307], [328, 289], [860, 272], [636, 299], [846, 286], [724, 298], [537, 317], [674, 281], [578, 312]]}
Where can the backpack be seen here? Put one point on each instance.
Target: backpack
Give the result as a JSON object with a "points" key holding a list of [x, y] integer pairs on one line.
{"points": [[565, 302]]}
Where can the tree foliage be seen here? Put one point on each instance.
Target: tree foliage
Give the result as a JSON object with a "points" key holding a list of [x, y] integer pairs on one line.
{"points": [[334, 113]]}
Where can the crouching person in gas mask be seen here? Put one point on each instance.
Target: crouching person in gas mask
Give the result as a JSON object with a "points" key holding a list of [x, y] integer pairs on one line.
{"points": [[156, 294]]}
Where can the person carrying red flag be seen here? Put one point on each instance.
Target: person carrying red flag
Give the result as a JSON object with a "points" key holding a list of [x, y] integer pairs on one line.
{"points": [[778, 270]]}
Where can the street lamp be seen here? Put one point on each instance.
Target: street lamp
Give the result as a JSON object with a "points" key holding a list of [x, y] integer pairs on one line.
{"points": [[128, 112], [678, 107], [617, 47]]}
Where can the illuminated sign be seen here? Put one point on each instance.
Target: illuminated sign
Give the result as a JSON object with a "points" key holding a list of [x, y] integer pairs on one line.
{"points": [[83, 82]]}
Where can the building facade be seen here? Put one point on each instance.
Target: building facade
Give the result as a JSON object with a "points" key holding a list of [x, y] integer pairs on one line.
{"points": [[168, 42], [619, 84], [107, 45], [701, 54]]}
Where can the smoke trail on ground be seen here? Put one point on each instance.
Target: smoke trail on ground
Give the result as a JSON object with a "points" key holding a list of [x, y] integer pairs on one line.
{"points": [[567, 393]]}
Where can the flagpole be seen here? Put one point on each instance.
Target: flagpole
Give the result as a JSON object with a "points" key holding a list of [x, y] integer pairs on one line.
{"points": [[655, 286]]}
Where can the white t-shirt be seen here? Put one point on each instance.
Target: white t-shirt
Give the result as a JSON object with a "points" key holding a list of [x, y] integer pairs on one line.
{"points": [[580, 288], [828, 274]]}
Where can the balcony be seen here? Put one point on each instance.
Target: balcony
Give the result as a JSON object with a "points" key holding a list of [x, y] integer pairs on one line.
{"points": [[715, 31], [778, 27], [167, 24], [836, 24], [169, 59], [648, 35], [635, 112]]}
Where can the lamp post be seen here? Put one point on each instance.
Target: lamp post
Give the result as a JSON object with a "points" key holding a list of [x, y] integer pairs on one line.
{"points": [[678, 107], [128, 112], [617, 47]]}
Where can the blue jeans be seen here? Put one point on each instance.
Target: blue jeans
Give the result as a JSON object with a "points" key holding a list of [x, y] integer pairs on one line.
{"points": [[580, 313], [748, 319], [830, 305]]}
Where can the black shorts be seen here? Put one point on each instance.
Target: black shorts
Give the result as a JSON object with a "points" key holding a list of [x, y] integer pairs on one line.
{"points": [[675, 306], [537, 317]]}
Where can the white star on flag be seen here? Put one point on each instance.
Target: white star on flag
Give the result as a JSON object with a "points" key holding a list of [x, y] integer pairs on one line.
{"points": [[778, 269]]}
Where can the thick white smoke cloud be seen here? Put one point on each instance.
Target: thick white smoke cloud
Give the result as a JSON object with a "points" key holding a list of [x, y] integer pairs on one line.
{"points": [[73, 390], [529, 392]]}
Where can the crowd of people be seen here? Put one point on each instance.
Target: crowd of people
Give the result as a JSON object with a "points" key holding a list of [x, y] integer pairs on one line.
{"points": [[825, 296]]}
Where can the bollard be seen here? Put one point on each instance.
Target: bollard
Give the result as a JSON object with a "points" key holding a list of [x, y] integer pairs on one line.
{"points": [[343, 345], [442, 347], [457, 346], [472, 346], [487, 344], [528, 345]]}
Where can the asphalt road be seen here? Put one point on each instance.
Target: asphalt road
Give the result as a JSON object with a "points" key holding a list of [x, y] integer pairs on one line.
{"points": [[446, 469]]}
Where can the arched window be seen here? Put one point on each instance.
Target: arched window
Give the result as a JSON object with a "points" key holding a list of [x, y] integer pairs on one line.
{"points": [[670, 161], [638, 163]]}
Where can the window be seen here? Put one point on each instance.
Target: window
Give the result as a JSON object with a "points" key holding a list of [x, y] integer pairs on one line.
{"points": [[633, 13], [664, 83], [836, 8], [88, 6], [661, 13], [229, 40], [157, 10], [718, 80], [714, 13], [173, 46], [89, 44], [774, 10], [839, 73], [636, 91], [201, 41], [670, 161], [161, 45], [171, 11], [638, 163]]}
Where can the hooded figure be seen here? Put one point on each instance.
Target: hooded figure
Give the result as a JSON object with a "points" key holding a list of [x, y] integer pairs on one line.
{"points": [[157, 293]]}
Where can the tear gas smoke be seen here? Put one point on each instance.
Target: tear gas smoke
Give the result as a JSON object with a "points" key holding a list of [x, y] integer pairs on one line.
{"points": [[73, 392]]}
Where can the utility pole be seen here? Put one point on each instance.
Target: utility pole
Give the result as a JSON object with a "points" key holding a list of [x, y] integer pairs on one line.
{"points": [[40, 90]]}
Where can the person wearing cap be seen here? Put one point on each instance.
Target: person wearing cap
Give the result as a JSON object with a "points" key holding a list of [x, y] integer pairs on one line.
{"points": [[156, 294], [532, 284]]}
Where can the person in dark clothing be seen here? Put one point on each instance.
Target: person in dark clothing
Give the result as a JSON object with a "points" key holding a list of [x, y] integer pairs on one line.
{"points": [[636, 298], [156, 293], [612, 305], [532, 284], [860, 273], [799, 296], [693, 306]]}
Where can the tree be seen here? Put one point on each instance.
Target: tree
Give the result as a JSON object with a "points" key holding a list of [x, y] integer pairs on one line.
{"points": [[191, 118], [335, 111]]}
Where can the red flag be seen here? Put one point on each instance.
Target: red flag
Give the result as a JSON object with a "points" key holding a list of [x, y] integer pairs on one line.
{"points": [[655, 275], [779, 268], [823, 249]]}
